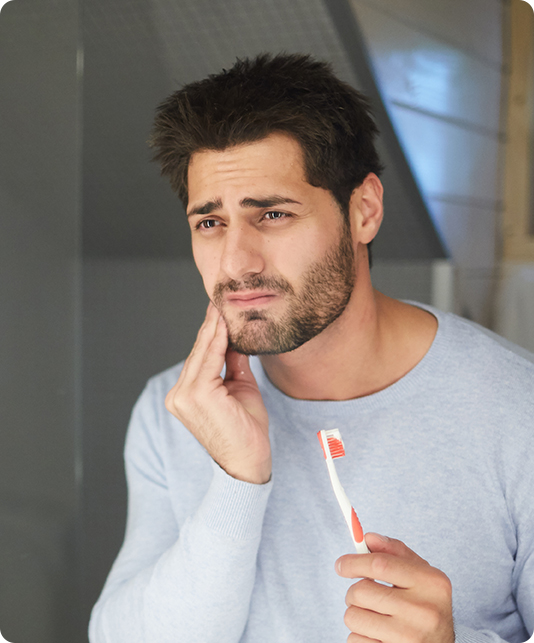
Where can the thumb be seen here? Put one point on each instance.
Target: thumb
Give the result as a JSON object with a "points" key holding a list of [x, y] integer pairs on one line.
{"points": [[237, 367]]}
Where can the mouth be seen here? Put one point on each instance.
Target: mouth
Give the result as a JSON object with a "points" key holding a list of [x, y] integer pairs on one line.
{"points": [[250, 299]]}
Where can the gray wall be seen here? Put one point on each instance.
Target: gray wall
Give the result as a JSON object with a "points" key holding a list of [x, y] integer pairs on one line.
{"points": [[141, 315], [39, 311]]}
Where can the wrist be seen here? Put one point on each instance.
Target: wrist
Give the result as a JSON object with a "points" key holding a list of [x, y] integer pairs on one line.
{"points": [[260, 474]]}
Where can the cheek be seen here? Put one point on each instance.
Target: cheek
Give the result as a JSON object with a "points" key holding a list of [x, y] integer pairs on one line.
{"points": [[296, 257], [208, 266]]}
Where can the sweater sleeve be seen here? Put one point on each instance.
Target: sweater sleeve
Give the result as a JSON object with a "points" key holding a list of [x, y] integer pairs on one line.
{"points": [[191, 584], [465, 634]]}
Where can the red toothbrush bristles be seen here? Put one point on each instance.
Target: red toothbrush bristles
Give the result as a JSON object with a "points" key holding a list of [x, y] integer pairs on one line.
{"points": [[335, 445], [337, 450]]}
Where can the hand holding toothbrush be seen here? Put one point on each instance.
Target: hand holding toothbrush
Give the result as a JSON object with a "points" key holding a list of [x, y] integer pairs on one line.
{"points": [[417, 608], [227, 416]]}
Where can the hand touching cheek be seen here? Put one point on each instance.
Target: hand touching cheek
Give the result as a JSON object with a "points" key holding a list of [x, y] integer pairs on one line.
{"points": [[416, 608], [227, 416]]}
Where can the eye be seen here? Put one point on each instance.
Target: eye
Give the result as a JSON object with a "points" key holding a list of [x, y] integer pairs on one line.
{"points": [[207, 224], [273, 215]]}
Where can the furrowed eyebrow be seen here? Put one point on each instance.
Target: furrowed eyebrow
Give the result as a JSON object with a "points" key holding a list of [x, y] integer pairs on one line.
{"points": [[267, 202], [206, 208], [248, 202]]}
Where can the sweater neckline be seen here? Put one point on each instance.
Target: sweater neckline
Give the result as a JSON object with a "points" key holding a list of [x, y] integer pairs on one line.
{"points": [[421, 376]]}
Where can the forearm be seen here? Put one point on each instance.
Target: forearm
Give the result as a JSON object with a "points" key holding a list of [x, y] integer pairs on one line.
{"points": [[200, 588]]}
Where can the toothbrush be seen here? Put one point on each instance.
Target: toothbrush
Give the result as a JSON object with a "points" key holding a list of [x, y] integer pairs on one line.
{"points": [[333, 448]]}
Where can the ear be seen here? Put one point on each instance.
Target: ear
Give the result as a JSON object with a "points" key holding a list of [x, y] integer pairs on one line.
{"points": [[366, 209]]}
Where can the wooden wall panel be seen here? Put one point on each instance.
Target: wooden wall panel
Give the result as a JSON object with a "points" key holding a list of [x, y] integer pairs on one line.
{"points": [[519, 194]]}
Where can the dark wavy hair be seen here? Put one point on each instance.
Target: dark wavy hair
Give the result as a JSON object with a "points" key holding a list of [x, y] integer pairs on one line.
{"points": [[288, 93]]}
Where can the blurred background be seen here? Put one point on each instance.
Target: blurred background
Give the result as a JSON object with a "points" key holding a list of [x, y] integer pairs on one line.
{"points": [[98, 290]]}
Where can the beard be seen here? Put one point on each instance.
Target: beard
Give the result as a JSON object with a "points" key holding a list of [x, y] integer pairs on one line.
{"points": [[324, 294]]}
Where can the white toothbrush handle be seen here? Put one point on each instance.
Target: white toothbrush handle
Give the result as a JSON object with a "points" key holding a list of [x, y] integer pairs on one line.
{"points": [[348, 512]]}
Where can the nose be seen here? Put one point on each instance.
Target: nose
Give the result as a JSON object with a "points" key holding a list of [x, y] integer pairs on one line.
{"points": [[241, 253]]}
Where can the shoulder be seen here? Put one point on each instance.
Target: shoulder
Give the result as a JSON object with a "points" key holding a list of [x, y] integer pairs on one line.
{"points": [[152, 398], [483, 344], [149, 415], [160, 384], [478, 343], [156, 440], [479, 365]]}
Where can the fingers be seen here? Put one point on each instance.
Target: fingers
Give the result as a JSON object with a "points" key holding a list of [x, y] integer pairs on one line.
{"points": [[205, 333], [368, 594], [237, 367], [206, 359], [211, 343], [390, 561], [392, 615], [228, 418], [370, 625], [417, 605], [357, 638], [382, 567], [216, 351]]}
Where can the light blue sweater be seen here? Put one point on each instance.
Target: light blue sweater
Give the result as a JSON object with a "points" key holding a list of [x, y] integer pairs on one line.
{"points": [[443, 460]]}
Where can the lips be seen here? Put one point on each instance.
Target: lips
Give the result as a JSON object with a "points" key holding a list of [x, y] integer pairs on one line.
{"points": [[250, 298]]}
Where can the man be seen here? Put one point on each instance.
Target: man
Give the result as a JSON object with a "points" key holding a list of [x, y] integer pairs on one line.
{"points": [[233, 528]]}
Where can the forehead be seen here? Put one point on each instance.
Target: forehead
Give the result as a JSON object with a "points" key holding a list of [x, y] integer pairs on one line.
{"points": [[271, 161]]}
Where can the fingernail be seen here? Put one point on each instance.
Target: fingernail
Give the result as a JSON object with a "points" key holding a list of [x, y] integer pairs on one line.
{"points": [[384, 539], [338, 567]]}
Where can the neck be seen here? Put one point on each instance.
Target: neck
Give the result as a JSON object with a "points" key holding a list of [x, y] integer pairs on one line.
{"points": [[375, 342]]}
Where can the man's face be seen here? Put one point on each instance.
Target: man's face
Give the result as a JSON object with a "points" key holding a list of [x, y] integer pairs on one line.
{"points": [[274, 253]]}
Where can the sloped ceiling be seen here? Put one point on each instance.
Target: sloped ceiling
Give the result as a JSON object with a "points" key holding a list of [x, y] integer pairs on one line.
{"points": [[136, 52]]}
